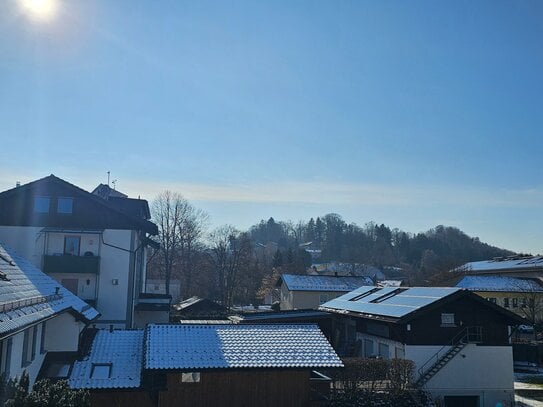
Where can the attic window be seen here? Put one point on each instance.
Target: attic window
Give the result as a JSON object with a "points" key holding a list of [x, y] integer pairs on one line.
{"points": [[447, 320], [65, 205], [41, 204], [101, 371], [367, 293]]}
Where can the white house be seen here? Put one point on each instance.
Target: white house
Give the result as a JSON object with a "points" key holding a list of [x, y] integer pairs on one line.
{"points": [[458, 341], [38, 317], [92, 244]]}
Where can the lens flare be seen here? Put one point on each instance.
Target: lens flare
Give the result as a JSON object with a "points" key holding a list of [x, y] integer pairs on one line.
{"points": [[39, 9]]}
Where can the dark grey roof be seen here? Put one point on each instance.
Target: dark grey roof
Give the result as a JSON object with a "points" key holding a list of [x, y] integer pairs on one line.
{"points": [[27, 295]]}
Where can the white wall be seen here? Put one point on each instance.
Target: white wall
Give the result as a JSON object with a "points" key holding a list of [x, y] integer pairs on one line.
{"points": [[112, 300], [115, 264], [27, 241], [15, 368], [84, 291], [62, 333], [392, 345], [486, 371], [88, 243], [155, 286]]}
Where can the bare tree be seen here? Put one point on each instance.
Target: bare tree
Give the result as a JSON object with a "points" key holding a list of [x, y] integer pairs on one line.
{"points": [[180, 230], [229, 252]]}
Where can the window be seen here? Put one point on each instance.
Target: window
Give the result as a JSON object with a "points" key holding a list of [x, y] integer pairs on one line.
{"points": [[323, 298], [41, 204], [400, 353], [368, 348], [190, 377], [100, 371], [506, 302], [515, 302], [26, 341], [523, 303], [492, 300], [6, 365], [42, 341], [65, 205], [447, 320], [34, 342], [384, 351], [71, 245]]}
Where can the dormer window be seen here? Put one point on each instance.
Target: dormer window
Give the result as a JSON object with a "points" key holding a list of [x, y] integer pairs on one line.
{"points": [[65, 205], [41, 204]]}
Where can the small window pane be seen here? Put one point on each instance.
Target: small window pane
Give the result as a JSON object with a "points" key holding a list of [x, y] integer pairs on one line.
{"points": [[65, 205], [190, 377], [447, 319], [101, 371], [368, 348], [71, 245], [384, 351], [41, 204], [506, 302]]}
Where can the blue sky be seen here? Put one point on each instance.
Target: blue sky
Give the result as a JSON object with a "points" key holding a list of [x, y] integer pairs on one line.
{"points": [[411, 114]]}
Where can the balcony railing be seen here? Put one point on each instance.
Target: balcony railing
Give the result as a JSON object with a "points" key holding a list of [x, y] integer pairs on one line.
{"points": [[71, 264]]}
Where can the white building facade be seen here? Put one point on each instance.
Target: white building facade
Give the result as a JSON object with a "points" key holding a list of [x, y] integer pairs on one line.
{"points": [[93, 246]]}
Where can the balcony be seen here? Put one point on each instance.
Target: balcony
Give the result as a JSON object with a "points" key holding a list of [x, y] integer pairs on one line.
{"points": [[71, 264]]}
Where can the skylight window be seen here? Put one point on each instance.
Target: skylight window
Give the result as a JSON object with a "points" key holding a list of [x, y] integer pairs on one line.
{"points": [[101, 371]]}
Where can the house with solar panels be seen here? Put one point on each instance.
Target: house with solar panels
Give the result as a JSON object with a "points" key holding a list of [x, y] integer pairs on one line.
{"points": [[310, 291], [39, 320], [512, 266], [459, 342], [93, 244], [206, 365]]}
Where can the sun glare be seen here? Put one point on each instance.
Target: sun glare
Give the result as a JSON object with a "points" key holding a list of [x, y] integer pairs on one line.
{"points": [[40, 9]]}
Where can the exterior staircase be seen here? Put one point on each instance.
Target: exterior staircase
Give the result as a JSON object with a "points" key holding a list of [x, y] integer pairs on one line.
{"points": [[440, 359]]}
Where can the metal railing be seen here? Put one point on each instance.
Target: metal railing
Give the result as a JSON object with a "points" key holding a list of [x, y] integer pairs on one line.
{"points": [[470, 334]]}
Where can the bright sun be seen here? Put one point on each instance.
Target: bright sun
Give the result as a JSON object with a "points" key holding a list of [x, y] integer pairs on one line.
{"points": [[40, 9]]}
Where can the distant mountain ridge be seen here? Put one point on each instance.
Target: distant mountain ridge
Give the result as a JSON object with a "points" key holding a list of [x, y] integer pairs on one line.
{"points": [[421, 255]]}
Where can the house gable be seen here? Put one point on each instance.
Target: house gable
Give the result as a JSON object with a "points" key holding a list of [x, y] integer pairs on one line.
{"points": [[19, 207]]}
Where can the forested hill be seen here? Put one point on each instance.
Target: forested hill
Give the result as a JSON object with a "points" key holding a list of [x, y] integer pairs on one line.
{"points": [[424, 254]]}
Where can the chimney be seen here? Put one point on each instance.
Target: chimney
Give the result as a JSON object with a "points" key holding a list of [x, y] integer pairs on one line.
{"points": [[17, 184], [111, 328]]}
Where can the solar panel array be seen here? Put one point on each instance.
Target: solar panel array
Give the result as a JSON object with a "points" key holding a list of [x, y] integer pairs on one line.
{"points": [[389, 302]]}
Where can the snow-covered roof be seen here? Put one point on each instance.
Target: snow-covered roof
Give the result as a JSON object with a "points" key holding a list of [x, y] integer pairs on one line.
{"points": [[188, 347], [114, 361], [500, 264], [388, 302], [27, 295], [296, 282], [499, 283]]}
